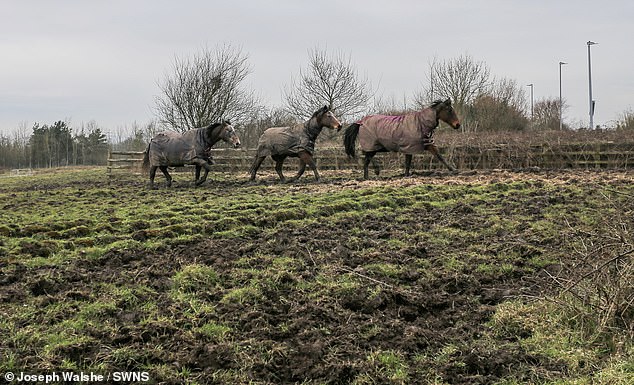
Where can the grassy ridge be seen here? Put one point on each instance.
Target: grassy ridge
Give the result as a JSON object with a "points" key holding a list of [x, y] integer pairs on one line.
{"points": [[419, 280]]}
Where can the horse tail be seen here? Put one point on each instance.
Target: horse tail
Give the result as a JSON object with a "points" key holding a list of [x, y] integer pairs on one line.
{"points": [[146, 158], [350, 137]]}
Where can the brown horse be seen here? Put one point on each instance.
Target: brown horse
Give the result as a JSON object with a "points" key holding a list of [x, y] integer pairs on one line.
{"points": [[410, 134], [170, 148], [297, 141]]}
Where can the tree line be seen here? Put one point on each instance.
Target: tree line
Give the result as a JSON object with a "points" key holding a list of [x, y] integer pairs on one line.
{"points": [[54, 145], [210, 86]]}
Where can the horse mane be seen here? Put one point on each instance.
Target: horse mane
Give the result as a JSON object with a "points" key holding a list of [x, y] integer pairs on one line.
{"points": [[213, 126], [322, 110], [435, 103]]}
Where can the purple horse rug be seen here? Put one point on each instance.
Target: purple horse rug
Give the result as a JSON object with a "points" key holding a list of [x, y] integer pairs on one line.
{"points": [[408, 134], [170, 148], [288, 141]]}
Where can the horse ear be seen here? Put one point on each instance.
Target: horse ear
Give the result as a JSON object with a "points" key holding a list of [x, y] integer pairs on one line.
{"points": [[448, 102]]}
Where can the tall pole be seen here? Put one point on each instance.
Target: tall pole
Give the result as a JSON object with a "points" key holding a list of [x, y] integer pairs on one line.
{"points": [[532, 105], [591, 102], [561, 104]]}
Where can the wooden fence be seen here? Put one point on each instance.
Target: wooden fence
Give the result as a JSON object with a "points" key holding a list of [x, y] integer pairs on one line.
{"points": [[502, 156], [129, 161]]}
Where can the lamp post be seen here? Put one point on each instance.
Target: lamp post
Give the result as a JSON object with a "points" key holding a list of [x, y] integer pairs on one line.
{"points": [[591, 102], [561, 105], [532, 105]]}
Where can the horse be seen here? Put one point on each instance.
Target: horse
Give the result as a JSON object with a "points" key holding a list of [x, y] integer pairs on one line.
{"points": [[170, 148], [296, 141], [409, 133]]}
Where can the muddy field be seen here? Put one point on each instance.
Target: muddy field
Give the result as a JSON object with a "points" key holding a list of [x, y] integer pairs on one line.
{"points": [[388, 281]]}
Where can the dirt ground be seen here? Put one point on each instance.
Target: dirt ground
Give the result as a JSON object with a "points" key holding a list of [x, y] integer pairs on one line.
{"points": [[360, 298]]}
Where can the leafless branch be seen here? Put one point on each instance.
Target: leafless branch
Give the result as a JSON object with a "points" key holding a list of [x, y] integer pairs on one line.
{"points": [[205, 88], [331, 81]]}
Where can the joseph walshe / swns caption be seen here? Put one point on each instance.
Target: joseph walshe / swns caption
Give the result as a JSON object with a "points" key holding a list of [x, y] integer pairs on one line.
{"points": [[69, 376]]}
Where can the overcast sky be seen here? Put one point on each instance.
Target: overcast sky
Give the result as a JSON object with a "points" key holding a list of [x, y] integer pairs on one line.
{"points": [[100, 60]]}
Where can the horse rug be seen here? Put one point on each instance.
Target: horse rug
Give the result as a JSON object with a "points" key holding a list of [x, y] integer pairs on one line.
{"points": [[170, 148], [289, 141], [409, 133]]}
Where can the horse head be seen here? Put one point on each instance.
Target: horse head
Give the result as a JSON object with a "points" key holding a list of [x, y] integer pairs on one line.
{"points": [[228, 134], [446, 113], [326, 118]]}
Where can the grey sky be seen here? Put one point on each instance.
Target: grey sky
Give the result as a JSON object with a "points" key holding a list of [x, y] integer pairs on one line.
{"points": [[100, 60]]}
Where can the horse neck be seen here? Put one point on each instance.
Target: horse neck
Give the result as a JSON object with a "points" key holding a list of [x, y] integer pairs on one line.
{"points": [[213, 137], [424, 117], [313, 128]]}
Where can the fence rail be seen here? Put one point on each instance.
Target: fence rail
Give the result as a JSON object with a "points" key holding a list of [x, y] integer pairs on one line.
{"points": [[130, 161], [502, 156]]}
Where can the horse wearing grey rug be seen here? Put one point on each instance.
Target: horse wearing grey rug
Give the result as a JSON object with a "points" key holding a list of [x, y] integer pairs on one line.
{"points": [[296, 141], [173, 149]]}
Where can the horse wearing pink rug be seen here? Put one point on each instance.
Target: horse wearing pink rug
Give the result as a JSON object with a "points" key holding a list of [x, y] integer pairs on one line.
{"points": [[410, 134]]}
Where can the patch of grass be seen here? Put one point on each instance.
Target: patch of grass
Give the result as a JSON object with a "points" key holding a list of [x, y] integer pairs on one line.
{"points": [[542, 329], [195, 278], [213, 331], [243, 295], [384, 269], [389, 366]]}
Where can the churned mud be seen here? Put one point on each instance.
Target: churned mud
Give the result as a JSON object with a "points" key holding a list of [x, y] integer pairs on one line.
{"points": [[392, 280]]}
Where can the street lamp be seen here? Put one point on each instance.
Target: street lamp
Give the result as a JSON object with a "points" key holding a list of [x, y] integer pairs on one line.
{"points": [[591, 102], [531, 86], [561, 105]]}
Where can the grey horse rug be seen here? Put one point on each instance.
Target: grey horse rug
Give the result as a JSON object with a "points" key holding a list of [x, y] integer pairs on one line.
{"points": [[170, 148], [400, 133], [288, 141]]}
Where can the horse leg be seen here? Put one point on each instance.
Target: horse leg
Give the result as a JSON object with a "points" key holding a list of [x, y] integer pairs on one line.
{"points": [[197, 173], [168, 177], [256, 165], [204, 178], [152, 175], [375, 164], [200, 163], [408, 163], [434, 150], [306, 158], [302, 168], [279, 162], [366, 163]]}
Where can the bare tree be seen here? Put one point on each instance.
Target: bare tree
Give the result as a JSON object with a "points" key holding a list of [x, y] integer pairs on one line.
{"points": [[462, 79], [205, 88], [331, 81], [626, 120], [502, 107], [546, 114]]}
